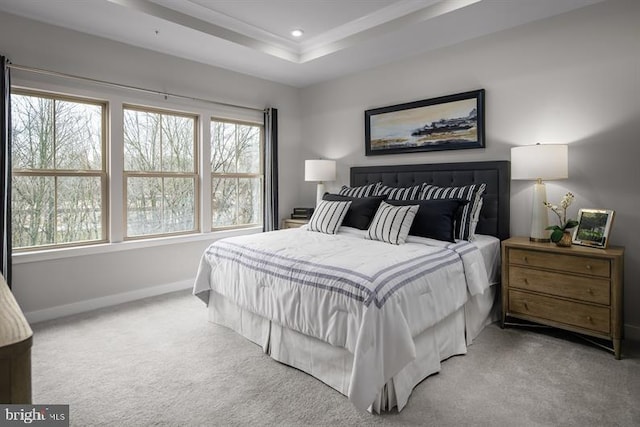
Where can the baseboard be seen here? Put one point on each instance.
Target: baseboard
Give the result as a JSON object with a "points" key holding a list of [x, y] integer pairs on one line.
{"points": [[92, 304], [632, 333]]}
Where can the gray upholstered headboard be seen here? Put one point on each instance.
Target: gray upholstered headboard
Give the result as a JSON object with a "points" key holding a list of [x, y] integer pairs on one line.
{"points": [[494, 216]]}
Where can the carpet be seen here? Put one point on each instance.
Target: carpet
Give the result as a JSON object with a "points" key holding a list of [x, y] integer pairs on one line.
{"points": [[159, 362]]}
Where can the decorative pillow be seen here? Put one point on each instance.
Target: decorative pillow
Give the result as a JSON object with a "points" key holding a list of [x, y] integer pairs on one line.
{"points": [[435, 218], [328, 216], [363, 191], [400, 193], [472, 193], [391, 224], [474, 221], [360, 212]]}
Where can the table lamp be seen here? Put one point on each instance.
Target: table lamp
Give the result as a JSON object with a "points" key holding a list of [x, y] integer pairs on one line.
{"points": [[319, 171], [537, 163]]}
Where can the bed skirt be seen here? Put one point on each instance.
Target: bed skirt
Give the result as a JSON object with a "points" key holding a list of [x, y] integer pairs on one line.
{"points": [[332, 365]]}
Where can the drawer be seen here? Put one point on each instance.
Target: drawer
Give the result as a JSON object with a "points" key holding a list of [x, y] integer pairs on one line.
{"points": [[590, 289], [570, 313], [560, 262]]}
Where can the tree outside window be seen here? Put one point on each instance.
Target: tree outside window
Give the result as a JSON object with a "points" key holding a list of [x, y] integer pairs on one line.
{"points": [[59, 170], [160, 172], [236, 174]]}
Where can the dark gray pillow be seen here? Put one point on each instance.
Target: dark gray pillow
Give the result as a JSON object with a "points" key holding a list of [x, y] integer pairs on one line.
{"points": [[472, 193], [435, 218], [360, 212]]}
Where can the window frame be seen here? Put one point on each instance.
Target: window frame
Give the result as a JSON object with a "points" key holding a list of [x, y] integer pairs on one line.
{"points": [[222, 175], [195, 175], [64, 173]]}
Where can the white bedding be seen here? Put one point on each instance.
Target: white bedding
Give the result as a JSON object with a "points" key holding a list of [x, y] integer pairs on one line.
{"points": [[368, 297]]}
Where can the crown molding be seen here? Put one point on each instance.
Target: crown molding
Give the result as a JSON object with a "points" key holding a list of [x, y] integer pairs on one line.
{"points": [[388, 19]]}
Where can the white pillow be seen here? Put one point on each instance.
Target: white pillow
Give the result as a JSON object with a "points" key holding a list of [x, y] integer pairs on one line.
{"points": [[391, 224], [328, 216]]}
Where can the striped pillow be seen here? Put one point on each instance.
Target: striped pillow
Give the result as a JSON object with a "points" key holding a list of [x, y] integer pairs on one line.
{"points": [[472, 193], [391, 224], [363, 191], [328, 216], [474, 221], [360, 212], [400, 193]]}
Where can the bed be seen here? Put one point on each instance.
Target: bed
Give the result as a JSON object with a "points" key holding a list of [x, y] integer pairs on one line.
{"points": [[371, 323]]}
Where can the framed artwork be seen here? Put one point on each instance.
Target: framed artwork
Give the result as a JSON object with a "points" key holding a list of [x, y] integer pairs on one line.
{"points": [[450, 122], [593, 227]]}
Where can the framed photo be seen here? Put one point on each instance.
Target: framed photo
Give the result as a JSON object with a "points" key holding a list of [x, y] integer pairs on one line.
{"points": [[593, 227], [450, 122]]}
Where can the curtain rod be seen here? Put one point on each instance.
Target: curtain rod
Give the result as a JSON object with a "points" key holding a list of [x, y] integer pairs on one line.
{"points": [[123, 86]]}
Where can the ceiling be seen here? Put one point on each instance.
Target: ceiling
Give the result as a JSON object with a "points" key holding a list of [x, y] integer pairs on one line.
{"points": [[253, 36]]}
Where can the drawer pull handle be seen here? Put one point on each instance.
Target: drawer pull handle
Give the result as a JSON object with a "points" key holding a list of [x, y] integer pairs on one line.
{"points": [[588, 267], [589, 318], [526, 281], [590, 291], [525, 259], [526, 307]]}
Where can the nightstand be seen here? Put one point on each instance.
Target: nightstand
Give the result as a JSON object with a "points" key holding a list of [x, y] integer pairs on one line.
{"points": [[578, 289], [294, 223]]}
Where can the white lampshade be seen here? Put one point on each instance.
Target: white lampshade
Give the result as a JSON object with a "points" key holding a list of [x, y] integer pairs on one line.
{"points": [[545, 162], [319, 170], [539, 162]]}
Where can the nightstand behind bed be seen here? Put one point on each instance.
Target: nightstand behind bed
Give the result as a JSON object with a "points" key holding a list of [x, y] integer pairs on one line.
{"points": [[294, 223]]}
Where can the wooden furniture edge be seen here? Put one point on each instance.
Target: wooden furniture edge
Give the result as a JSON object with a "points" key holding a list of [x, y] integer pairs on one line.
{"points": [[16, 339]]}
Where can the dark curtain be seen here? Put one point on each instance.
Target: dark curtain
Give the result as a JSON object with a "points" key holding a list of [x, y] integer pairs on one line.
{"points": [[5, 170], [270, 219]]}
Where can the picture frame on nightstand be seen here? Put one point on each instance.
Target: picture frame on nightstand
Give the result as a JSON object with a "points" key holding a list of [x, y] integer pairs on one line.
{"points": [[594, 226]]}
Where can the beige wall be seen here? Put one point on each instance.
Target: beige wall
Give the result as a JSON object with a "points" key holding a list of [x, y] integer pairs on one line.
{"points": [[573, 79]]}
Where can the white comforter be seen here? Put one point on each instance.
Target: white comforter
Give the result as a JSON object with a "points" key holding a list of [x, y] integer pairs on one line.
{"points": [[366, 296]]}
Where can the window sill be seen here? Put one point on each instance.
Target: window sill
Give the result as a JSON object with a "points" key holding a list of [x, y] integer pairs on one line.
{"points": [[103, 248]]}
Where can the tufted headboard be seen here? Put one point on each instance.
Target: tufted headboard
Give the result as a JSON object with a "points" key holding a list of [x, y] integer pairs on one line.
{"points": [[494, 216]]}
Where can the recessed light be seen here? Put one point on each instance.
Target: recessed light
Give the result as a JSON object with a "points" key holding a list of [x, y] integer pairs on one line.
{"points": [[297, 32]]}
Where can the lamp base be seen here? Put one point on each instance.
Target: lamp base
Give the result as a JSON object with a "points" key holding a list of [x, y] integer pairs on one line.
{"points": [[539, 214], [319, 193], [539, 240]]}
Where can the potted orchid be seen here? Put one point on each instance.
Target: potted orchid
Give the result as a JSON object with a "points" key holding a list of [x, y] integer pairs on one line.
{"points": [[560, 233]]}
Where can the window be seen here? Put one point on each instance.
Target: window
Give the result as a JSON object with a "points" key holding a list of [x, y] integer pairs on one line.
{"points": [[59, 186], [236, 174], [160, 172]]}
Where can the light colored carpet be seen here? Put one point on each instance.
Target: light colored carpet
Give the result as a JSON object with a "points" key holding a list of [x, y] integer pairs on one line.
{"points": [[159, 361]]}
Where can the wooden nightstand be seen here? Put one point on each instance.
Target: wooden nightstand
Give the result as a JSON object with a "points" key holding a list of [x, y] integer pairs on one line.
{"points": [[294, 223], [578, 288]]}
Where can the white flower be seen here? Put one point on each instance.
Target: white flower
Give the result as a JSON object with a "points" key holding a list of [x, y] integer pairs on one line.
{"points": [[566, 200], [562, 210]]}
